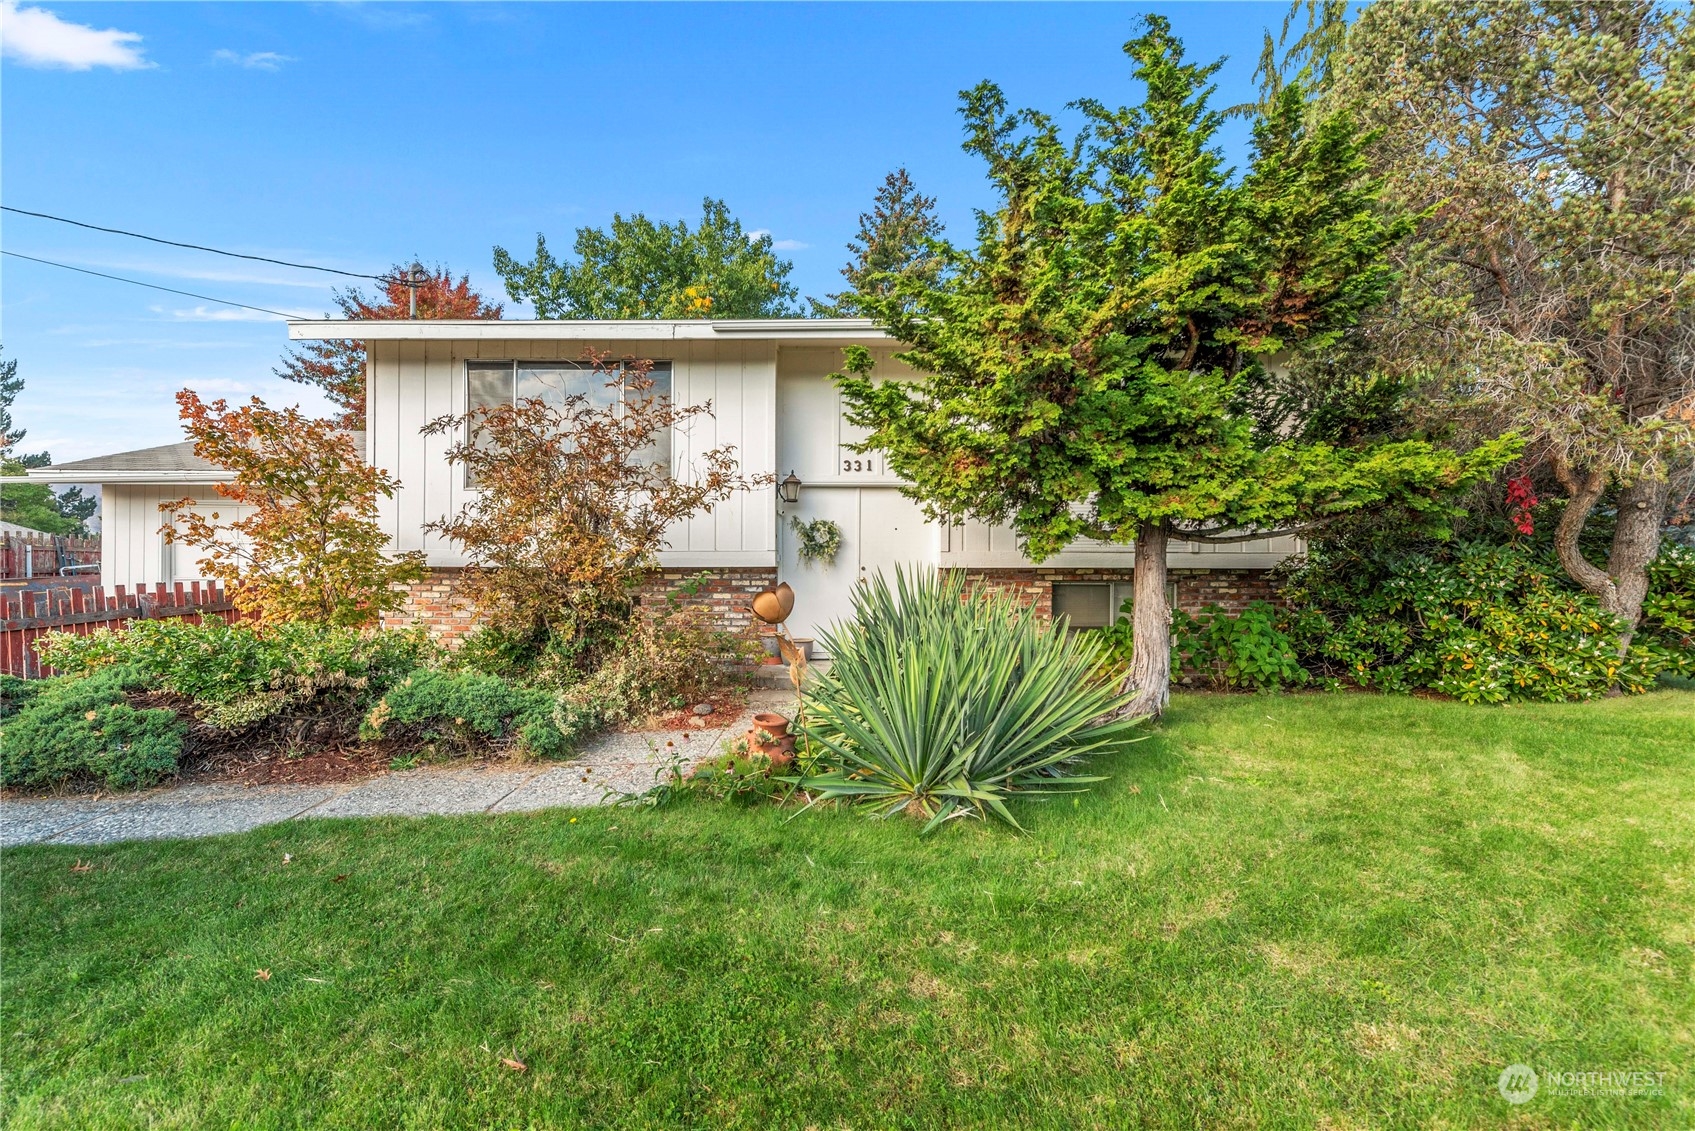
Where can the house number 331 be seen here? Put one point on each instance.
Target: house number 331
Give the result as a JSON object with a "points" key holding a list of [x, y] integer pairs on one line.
{"points": [[859, 465]]}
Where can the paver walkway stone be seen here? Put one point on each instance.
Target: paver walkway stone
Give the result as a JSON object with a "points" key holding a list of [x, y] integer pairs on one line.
{"points": [[625, 763]]}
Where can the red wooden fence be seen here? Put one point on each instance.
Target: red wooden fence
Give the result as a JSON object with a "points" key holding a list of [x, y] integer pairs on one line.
{"points": [[28, 554], [27, 616]]}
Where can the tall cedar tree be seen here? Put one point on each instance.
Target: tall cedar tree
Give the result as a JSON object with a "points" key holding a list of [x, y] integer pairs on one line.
{"points": [[35, 505], [338, 366], [1081, 366], [571, 507], [640, 269], [894, 239], [1550, 285], [311, 548]]}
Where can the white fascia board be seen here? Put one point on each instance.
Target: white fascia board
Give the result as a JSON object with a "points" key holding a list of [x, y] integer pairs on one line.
{"points": [[51, 475], [477, 330]]}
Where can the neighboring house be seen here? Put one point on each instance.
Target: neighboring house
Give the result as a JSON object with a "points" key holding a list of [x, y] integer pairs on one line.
{"points": [[771, 398]]}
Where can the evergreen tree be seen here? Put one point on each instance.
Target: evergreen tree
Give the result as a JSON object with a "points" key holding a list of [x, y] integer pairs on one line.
{"points": [[35, 505], [1550, 284], [1083, 367], [893, 240]]}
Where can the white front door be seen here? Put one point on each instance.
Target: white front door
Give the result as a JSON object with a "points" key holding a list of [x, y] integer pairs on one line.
{"points": [[880, 529], [822, 590]]}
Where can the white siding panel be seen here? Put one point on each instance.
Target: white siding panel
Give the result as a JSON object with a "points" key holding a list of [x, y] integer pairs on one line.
{"points": [[133, 551], [413, 382], [382, 438]]}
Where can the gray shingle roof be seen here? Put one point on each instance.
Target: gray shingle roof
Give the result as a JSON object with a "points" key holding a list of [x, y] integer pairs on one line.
{"points": [[178, 457]]}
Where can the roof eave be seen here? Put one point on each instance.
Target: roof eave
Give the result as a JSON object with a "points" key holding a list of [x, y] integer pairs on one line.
{"points": [[94, 475], [774, 329]]}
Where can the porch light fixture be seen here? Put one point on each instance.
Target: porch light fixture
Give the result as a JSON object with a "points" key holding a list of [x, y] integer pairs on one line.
{"points": [[789, 488]]}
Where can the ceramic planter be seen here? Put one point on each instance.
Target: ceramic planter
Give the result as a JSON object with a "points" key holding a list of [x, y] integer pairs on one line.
{"points": [[773, 606], [770, 736]]}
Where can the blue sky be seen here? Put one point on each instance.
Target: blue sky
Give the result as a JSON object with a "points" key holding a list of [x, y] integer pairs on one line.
{"points": [[361, 135]]}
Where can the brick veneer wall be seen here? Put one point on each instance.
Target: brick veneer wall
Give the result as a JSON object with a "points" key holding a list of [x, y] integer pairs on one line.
{"points": [[1232, 589], [435, 602], [727, 592]]}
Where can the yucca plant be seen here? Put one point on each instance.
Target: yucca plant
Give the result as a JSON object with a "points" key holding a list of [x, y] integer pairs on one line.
{"points": [[945, 704]]}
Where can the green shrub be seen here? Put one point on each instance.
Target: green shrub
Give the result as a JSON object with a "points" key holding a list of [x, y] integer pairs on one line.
{"points": [[459, 710], [1668, 612], [1485, 624], [1248, 650], [663, 663], [946, 706], [15, 691], [74, 728], [237, 675]]}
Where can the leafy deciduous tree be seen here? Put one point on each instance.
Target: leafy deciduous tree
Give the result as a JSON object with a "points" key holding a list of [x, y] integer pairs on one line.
{"points": [[1550, 285], [311, 550], [337, 366], [1082, 365], [571, 506], [640, 269]]}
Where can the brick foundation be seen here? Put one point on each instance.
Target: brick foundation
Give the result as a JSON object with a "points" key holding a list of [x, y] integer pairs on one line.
{"points": [[1232, 589], [435, 603], [727, 592]]}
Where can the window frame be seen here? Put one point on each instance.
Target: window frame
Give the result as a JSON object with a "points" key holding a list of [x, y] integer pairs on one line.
{"points": [[1118, 592], [512, 364]]}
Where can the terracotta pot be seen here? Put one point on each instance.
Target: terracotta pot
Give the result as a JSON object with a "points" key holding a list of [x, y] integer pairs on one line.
{"points": [[773, 606], [771, 723], [770, 736]]}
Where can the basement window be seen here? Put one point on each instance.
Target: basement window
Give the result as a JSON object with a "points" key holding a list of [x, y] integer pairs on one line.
{"points": [[490, 384], [1096, 604]]}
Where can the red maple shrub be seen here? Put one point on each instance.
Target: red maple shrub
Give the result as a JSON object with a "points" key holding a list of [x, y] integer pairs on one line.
{"points": [[572, 509], [310, 549], [338, 366]]}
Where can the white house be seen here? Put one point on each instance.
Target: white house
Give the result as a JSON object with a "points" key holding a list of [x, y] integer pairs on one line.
{"points": [[767, 383]]}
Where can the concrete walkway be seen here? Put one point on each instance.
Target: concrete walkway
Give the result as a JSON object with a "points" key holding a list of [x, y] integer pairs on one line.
{"points": [[624, 762]]}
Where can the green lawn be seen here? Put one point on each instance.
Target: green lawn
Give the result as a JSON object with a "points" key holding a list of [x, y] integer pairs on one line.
{"points": [[1315, 911]]}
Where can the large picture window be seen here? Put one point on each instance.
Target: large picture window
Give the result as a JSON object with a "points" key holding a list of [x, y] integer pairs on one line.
{"points": [[490, 384]]}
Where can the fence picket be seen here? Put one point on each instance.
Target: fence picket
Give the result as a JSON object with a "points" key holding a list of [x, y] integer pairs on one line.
{"points": [[31, 615]]}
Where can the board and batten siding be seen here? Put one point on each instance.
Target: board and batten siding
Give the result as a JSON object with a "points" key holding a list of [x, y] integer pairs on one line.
{"points": [[414, 382], [815, 440], [133, 550]]}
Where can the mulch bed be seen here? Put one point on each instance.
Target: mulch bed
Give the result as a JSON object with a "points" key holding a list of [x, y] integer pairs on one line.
{"points": [[299, 750], [726, 706]]}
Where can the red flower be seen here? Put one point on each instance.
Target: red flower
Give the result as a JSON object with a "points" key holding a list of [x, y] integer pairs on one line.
{"points": [[1521, 496]]}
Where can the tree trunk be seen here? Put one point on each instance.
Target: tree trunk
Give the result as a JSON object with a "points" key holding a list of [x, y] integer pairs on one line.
{"points": [[1149, 681], [1636, 542]]}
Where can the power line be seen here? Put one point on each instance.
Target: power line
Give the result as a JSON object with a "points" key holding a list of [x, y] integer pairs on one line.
{"points": [[152, 286], [193, 246]]}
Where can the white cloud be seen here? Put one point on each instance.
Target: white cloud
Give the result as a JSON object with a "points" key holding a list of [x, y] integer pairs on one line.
{"points": [[253, 61], [223, 314], [380, 16], [776, 245], [177, 271], [36, 37]]}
